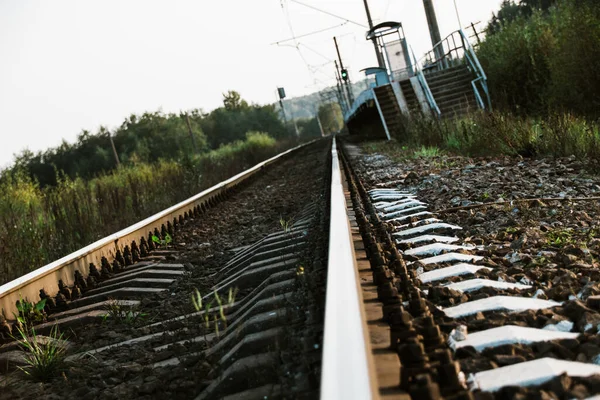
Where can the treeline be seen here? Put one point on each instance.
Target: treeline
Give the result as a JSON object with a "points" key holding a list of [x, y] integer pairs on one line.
{"points": [[39, 225], [155, 136], [541, 57]]}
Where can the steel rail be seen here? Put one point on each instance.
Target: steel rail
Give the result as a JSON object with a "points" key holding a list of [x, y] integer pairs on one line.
{"points": [[346, 363], [47, 277]]}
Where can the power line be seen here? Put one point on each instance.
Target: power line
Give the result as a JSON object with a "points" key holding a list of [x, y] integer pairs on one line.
{"points": [[387, 8], [310, 33], [329, 13], [314, 51]]}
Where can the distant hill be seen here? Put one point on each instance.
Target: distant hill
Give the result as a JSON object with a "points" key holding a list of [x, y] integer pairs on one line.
{"points": [[306, 106]]}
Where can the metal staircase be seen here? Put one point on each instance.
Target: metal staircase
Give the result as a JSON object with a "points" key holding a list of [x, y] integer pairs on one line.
{"points": [[412, 101], [447, 82], [389, 109], [452, 90]]}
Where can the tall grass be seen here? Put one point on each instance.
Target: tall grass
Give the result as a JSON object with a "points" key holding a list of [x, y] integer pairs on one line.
{"points": [[38, 225], [497, 133]]}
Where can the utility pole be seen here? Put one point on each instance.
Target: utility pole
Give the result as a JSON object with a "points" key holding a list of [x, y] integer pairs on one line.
{"points": [[283, 111], [476, 34], [187, 120], [380, 62], [434, 30], [320, 125], [114, 149], [346, 80], [281, 94], [341, 97]]}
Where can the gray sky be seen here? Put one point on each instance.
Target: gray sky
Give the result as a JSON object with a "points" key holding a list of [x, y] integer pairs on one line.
{"points": [[68, 65]]}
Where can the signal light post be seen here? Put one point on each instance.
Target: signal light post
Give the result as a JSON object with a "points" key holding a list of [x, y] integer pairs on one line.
{"points": [[344, 75], [281, 93]]}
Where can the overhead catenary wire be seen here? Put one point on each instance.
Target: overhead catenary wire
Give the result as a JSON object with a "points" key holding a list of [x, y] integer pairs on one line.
{"points": [[312, 69], [330, 14], [310, 33], [316, 52]]}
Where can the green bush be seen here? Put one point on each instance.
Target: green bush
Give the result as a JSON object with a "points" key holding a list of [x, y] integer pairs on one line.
{"points": [[38, 225], [546, 62]]}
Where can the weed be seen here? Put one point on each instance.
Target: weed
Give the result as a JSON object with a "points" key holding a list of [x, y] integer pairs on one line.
{"points": [[210, 316], [30, 313], [123, 314], [427, 152], [559, 237], [164, 242], [286, 224], [44, 358]]}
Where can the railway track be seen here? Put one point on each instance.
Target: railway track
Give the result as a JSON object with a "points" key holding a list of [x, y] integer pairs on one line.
{"points": [[296, 279]]}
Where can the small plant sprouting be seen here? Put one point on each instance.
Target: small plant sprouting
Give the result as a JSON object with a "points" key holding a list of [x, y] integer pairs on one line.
{"points": [[121, 313], [45, 358], [286, 224], [214, 316], [30, 313], [559, 237], [165, 242]]}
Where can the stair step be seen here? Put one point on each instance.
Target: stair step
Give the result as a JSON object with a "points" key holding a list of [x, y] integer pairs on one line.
{"points": [[454, 97], [449, 71], [464, 80], [451, 86]]}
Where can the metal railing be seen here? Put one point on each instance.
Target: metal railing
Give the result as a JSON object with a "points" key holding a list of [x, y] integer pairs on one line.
{"points": [[345, 369], [455, 50], [424, 85]]}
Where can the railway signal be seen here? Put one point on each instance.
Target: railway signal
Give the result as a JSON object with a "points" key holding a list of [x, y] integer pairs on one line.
{"points": [[345, 74]]}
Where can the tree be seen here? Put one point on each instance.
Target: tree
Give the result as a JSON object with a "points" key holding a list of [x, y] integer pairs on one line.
{"points": [[233, 101], [331, 117]]}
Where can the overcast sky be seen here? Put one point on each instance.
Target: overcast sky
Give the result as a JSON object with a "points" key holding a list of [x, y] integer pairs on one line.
{"points": [[68, 65]]}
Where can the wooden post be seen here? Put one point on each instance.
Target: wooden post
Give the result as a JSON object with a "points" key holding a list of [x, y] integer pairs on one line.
{"points": [[114, 149], [476, 34], [187, 120]]}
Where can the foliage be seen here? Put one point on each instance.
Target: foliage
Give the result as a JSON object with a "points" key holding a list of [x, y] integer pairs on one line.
{"points": [[304, 107], [559, 237], [309, 128], [123, 314], [162, 242], [147, 139], [30, 313], [39, 225], [427, 152], [331, 118], [542, 59], [44, 358], [215, 315], [483, 134], [510, 11]]}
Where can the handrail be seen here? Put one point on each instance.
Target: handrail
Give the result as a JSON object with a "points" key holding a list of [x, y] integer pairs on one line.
{"points": [[345, 366], [481, 76], [47, 277], [423, 82], [457, 53]]}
